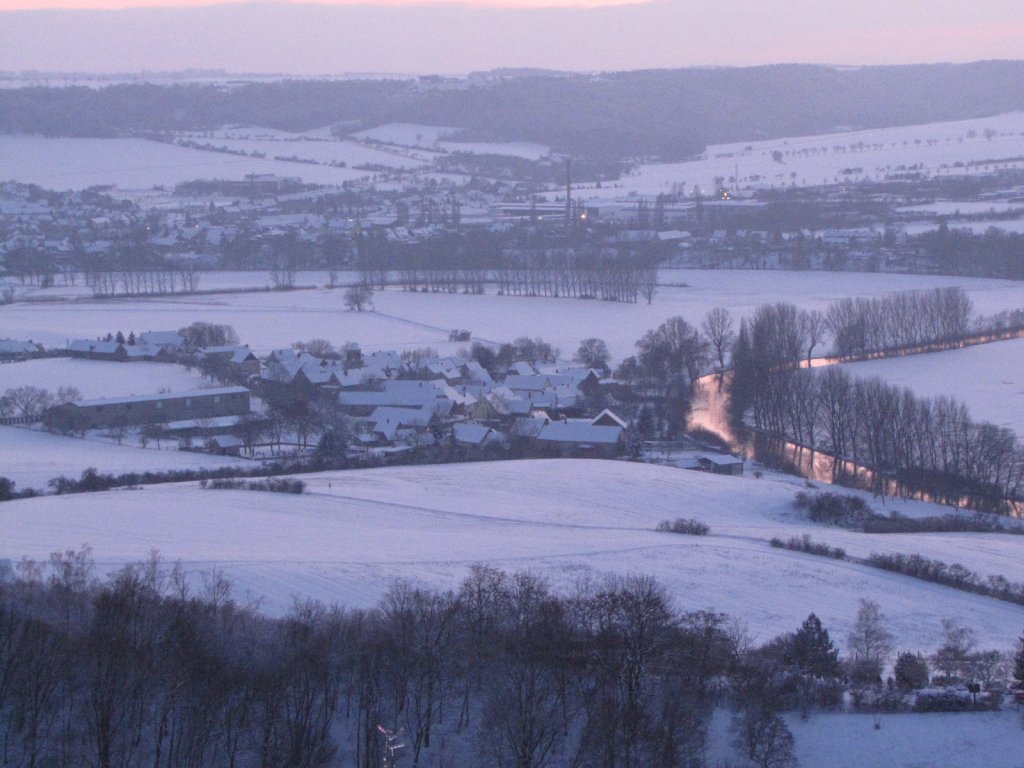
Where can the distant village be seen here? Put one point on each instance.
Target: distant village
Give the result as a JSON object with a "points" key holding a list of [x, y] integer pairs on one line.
{"points": [[279, 225]]}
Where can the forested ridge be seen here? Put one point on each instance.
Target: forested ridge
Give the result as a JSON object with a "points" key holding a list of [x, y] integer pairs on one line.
{"points": [[663, 114]]}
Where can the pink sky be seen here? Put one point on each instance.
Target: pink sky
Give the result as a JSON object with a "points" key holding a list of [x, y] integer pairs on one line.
{"points": [[420, 36], [32, 5]]}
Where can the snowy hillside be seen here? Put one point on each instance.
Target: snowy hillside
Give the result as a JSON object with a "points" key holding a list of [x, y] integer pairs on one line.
{"points": [[951, 148], [353, 532]]}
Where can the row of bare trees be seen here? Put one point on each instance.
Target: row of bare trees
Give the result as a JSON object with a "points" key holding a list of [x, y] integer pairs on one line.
{"points": [[927, 444], [140, 670], [588, 273], [899, 321], [111, 274]]}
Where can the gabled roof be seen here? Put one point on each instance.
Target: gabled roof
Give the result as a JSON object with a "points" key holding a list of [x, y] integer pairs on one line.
{"points": [[471, 433], [405, 417], [579, 432], [607, 418], [400, 393], [533, 382], [529, 426], [522, 368], [13, 347], [477, 372]]}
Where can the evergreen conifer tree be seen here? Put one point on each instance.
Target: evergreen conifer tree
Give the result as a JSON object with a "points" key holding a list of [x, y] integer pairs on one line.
{"points": [[812, 649]]}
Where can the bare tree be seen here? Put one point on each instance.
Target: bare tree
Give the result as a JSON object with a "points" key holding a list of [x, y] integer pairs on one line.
{"points": [[814, 328], [358, 297], [593, 353], [870, 642], [27, 401], [763, 737], [68, 395], [718, 327]]}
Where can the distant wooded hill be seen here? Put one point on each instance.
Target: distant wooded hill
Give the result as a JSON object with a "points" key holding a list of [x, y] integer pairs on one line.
{"points": [[664, 114]]}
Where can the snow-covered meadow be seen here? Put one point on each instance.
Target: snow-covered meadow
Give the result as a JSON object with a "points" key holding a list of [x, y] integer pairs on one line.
{"points": [[134, 164], [100, 378], [444, 138], [403, 320], [31, 457], [350, 153], [353, 532], [903, 740], [988, 378]]}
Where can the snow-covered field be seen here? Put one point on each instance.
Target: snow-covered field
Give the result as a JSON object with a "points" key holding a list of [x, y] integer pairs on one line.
{"points": [[207, 281], [988, 378], [403, 320], [938, 740], [523, 149], [439, 137], [138, 164], [963, 207], [351, 153], [353, 532], [978, 146], [967, 146], [100, 378], [1015, 226], [407, 134], [32, 458]]}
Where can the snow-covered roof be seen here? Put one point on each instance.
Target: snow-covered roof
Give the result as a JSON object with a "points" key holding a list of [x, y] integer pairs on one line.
{"points": [[406, 417], [529, 426], [401, 393], [13, 347], [225, 441], [99, 347], [522, 368], [164, 396], [215, 422], [477, 372], [471, 433], [237, 353], [605, 415], [162, 338], [579, 432], [528, 383], [721, 460]]}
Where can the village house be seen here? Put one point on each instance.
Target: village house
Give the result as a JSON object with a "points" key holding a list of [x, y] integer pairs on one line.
{"points": [[238, 357], [12, 350], [114, 351], [721, 464], [473, 438]]}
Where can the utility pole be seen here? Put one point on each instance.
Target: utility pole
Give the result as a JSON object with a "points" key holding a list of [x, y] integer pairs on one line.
{"points": [[568, 193]]}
